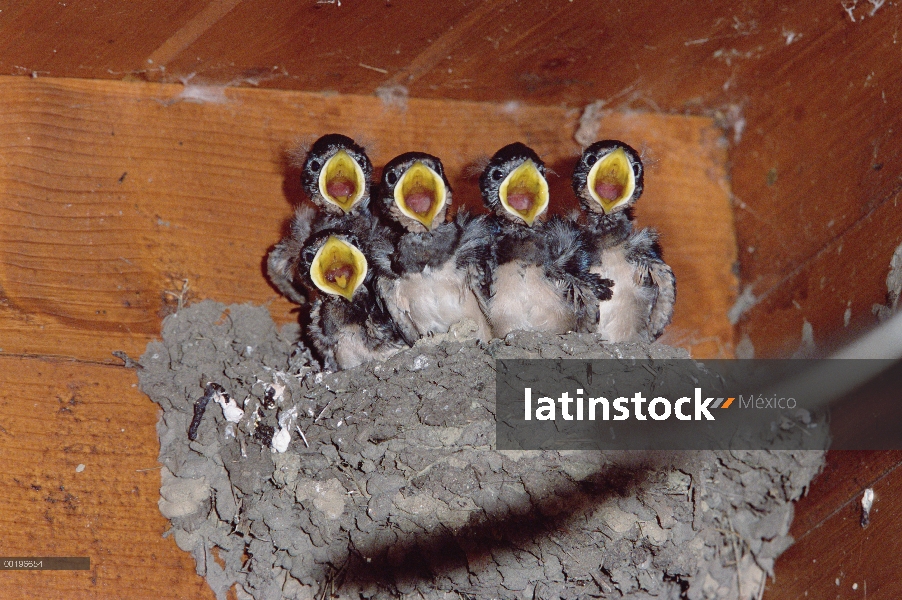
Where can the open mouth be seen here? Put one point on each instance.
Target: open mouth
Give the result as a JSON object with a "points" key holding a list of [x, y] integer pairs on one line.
{"points": [[420, 193], [338, 268], [342, 181], [611, 182], [524, 192]]}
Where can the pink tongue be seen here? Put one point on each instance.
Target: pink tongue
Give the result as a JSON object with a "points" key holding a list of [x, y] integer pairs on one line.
{"points": [[342, 271], [520, 201], [419, 202], [608, 191], [340, 188]]}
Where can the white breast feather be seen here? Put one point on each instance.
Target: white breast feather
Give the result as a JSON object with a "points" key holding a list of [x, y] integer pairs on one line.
{"points": [[351, 349], [623, 318], [434, 300], [525, 300]]}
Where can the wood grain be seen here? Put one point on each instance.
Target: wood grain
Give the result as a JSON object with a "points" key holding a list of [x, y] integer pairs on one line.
{"points": [[846, 474], [848, 274], [496, 50], [817, 182], [679, 56], [114, 194], [834, 557], [57, 415], [806, 87]]}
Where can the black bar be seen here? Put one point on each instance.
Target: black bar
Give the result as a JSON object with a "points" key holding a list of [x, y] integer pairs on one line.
{"points": [[45, 563], [763, 404]]}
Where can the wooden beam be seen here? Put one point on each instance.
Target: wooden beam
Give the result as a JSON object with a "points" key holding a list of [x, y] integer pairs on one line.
{"points": [[57, 416], [834, 557], [115, 194], [816, 178], [834, 291]]}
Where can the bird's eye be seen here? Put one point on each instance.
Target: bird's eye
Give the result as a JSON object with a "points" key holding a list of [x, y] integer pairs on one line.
{"points": [[314, 165], [391, 178], [637, 169], [590, 159], [496, 175]]}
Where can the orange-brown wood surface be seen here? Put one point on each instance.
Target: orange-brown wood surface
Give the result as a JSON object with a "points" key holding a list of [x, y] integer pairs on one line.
{"points": [[848, 274], [674, 56], [115, 193], [112, 195], [817, 177], [57, 415], [834, 556], [807, 88]]}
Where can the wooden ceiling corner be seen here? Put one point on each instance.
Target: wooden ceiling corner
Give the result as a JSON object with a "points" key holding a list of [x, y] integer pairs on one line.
{"points": [[809, 88]]}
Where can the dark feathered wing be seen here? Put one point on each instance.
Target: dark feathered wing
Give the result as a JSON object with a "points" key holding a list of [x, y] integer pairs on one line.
{"points": [[476, 254], [567, 263], [283, 261], [643, 250], [320, 337]]}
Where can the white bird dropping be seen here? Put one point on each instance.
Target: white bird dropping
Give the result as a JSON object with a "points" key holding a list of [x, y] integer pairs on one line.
{"points": [[281, 440], [230, 409], [282, 437], [867, 500]]}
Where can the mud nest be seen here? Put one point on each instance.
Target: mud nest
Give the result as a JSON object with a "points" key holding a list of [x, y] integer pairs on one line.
{"points": [[390, 484]]}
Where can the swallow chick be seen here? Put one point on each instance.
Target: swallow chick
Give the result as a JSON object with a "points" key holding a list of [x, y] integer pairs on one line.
{"points": [[349, 324], [442, 267], [608, 180], [337, 175], [541, 281]]}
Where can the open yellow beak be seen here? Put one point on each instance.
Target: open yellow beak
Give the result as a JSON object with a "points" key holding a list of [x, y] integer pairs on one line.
{"points": [[338, 268], [611, 182], [342, 181], [420, 193], [524, 192]]}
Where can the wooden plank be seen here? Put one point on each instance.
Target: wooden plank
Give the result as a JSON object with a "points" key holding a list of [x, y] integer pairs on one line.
{"points": [[56, 416], [114, 193], [676, 56], [845, 475], [838, 558], [848, 274], [495, 50], [822, 149], [87, 39], [807, 86], [816, 180]]}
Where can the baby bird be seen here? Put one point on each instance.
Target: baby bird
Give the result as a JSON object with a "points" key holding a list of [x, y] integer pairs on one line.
{"points": [[608, 180], [349, 324], [442, 267], [336, 175], [542, 280]]}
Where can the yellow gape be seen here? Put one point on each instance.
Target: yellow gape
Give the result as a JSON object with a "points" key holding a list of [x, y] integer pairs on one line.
{"points": [[341, 181], [524, 193], [338, 268], [611, 182], [420, 194]]}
